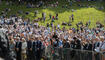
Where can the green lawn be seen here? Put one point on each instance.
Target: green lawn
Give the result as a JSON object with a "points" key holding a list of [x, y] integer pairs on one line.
{"points": [[83, 14]]}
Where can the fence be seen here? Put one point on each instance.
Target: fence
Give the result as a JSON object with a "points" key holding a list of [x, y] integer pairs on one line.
{"points": [[69, 54], [73, 54]]}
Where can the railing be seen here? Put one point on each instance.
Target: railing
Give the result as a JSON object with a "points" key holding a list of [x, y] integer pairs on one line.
{"points": [[73, 54], [68, 54]]}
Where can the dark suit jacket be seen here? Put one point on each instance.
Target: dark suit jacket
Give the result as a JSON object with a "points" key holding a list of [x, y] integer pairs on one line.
{"points": [[90, 46], [34, 46], [78, 45], [66, 45], [39, 44], [85, 47], [72, 45], [29, 45], [18, 45]]}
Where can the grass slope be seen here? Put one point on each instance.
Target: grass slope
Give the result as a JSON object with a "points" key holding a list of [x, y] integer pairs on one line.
{"points": [[81, 14]]}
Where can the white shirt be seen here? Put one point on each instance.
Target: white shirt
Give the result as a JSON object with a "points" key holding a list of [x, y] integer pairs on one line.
{"points": [[103, 46], [97, 49]]}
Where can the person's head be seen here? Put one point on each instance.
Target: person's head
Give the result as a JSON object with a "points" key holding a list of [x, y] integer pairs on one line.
{"points": [[36, 38], [18, 39], [102, 38], [64, 41], [74, 38], [14, 38], [23, 39]]}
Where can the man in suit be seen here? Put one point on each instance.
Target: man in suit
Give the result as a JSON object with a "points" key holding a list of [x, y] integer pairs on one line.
{"points": [[34, 48], [38, 46], [66, 44], [29, 50], [5, 52], [18, 49], [90, 48], [77, 45]]}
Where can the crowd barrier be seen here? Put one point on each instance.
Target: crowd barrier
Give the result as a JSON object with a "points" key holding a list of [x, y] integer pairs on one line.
{"points": [[72, 54]]}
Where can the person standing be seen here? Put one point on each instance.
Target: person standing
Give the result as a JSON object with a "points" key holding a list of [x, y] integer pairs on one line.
{"points": [[58, 26], [89, 48], [38, 46], [43, 16], [12, 48], [53, 18], [36, 12], [97, 49], [70, 3], [89, 22], [34, 48], [102, 47], [50, 16], [69, 19], [57, 16], [66, 45], [18, 49], [29, 49], [24, 47], [72, 17]]}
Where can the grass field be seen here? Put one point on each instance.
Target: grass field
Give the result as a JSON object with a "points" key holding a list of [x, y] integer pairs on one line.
{"points": [[83, 14]]}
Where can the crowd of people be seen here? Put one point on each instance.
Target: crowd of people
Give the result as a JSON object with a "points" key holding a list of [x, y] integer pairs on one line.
{"points": [[29, 39]]}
